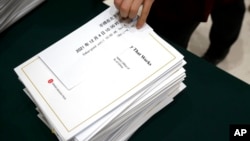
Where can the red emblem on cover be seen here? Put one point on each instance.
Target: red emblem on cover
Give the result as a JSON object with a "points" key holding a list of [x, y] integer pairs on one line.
{"points": [[50, 81]]}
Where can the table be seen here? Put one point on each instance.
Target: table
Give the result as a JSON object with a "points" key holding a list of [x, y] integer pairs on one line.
{"points": [[212, 101]]}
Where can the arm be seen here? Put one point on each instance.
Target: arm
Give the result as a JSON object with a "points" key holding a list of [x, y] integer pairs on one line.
{"points": [[129, 9]]}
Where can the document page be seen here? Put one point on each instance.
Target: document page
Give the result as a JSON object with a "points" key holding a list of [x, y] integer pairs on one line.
{"points": [[95, 69], [98, 39]]}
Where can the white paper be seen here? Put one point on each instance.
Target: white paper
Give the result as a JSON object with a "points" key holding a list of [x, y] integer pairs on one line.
{"points": [[79, 50], [75, 85]]}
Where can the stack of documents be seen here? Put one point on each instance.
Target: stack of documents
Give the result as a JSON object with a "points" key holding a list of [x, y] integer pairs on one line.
{"points": [[103, 80], [13, 10]]}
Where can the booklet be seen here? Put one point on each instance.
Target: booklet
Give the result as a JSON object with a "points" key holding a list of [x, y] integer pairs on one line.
{"points": [[13, 10], [97, 72]]}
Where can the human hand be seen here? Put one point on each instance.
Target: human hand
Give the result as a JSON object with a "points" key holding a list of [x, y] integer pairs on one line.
{"points": [[129, 9]]}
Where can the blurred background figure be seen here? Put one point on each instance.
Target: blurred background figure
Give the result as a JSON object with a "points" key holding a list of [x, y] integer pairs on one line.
{"points": [[176, 21]]}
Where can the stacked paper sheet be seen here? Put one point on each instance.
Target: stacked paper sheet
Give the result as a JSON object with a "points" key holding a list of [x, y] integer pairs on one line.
{"points": [[104, 80], [13, 10]]}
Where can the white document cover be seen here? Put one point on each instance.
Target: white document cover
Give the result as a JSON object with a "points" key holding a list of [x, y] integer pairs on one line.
{"points": [[82, 77]]}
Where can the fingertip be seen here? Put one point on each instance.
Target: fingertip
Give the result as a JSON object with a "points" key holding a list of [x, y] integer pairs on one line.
{"points": [[139, 25], [141, 21]]}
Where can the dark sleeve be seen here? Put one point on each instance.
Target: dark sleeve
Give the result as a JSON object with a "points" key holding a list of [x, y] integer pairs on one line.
{"points": [[197, 10]]}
